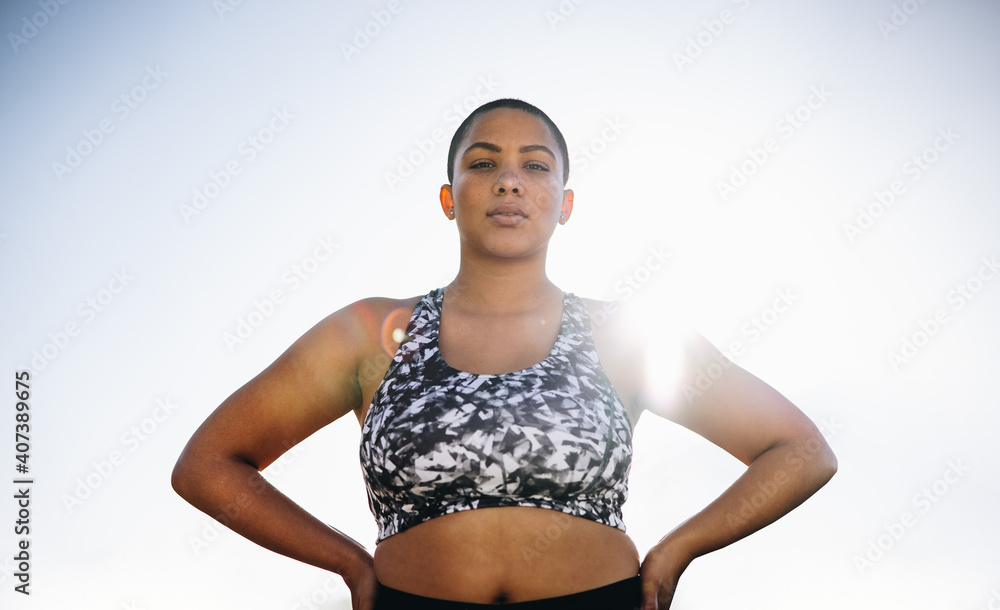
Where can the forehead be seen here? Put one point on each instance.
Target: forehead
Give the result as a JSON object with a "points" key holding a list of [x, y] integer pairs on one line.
{"points": [[509, 123]]}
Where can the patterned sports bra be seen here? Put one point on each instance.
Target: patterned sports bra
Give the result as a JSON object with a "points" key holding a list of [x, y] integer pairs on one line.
{"points": [[437, 440]]}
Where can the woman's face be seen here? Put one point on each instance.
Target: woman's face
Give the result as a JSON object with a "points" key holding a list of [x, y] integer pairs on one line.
{"points": [[507, 192]]}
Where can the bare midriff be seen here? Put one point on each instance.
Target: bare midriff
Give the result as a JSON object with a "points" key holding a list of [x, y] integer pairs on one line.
{"points": [[509, 554]]}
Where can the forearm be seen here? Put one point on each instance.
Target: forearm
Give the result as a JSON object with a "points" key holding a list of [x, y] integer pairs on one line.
{"points": [[777, 481], [235, 494]]}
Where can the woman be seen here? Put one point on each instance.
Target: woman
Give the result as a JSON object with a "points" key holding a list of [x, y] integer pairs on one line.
{"points": [[503, 419]]}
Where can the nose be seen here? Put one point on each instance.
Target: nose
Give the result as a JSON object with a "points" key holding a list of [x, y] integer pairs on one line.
{"points": [[508, 182]]}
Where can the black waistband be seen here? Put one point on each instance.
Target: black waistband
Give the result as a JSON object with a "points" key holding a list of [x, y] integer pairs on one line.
{"points": [[621, 595]]}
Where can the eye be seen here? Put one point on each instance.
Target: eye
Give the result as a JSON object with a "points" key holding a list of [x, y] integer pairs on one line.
{"points": [[481, 164], [537, 166]]}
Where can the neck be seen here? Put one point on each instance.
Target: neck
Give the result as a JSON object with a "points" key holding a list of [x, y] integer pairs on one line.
{"points": [[507, 287]]}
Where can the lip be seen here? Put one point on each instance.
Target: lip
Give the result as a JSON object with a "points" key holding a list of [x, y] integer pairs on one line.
{"points": [[507, 208], [506, 220], [507, 215]]}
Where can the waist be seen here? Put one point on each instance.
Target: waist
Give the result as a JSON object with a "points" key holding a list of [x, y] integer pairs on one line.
{"points": [[509, 554], [624, 594]]}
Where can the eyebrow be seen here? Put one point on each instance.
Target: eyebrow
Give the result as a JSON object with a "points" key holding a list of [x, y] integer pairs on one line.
{"points": [[524, 149]]}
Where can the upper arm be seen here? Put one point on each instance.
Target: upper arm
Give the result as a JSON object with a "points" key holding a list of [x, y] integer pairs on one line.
{"points": [[717, 399], [682, 377], [314, 382]]}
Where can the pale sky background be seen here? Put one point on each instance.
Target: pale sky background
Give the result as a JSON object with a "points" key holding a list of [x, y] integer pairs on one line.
{"points": [[661, 103]]}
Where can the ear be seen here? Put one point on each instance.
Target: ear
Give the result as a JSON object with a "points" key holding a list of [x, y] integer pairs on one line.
{"points": [[447, 202], [567, 206]]}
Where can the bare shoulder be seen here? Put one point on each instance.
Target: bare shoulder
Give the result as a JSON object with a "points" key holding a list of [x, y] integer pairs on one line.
{"points": [[366, 325], [312, 383], [379, 317], [676, 373], [613, 331], [620, 349], [645, 348], [382, 322]]}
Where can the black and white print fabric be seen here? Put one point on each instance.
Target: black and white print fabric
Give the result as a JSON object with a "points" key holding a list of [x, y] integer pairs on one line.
{"points": [[437, 440]]}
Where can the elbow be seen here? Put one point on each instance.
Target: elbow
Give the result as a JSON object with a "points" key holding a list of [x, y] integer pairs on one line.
{"points": [[199, 474], [832, 463], [832, 466], [811, 457], [183, 477], [178, 478], [825, 463]]}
